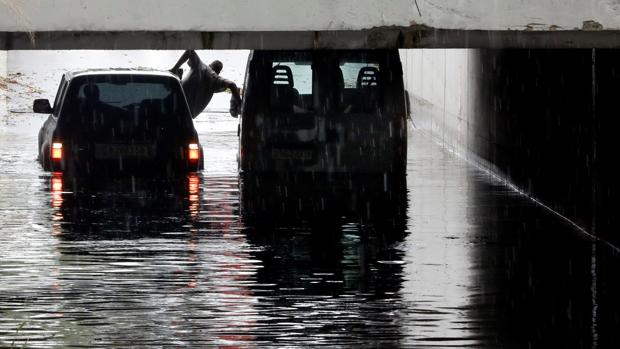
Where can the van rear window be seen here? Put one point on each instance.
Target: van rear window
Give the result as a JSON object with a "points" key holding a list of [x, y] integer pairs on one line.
{"points": [[360, 90], [291, 86], [324, 82], [357, 74]]}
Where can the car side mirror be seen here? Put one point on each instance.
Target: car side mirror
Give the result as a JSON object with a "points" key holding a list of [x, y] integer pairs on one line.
{"points": [[42, 106]]}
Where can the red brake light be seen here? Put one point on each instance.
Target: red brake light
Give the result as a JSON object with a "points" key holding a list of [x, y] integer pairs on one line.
{"points": [[56, 151], [194, 152]]}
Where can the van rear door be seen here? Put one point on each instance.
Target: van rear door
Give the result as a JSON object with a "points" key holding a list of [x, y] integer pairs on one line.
{"points": [[323, 111], [281, 124], [365, 123]]}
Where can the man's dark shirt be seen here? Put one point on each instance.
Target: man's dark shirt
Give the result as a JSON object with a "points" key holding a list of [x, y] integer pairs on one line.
{"points": [[200, 84]]}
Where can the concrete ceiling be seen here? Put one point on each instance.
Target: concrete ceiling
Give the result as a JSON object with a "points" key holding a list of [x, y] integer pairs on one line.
{"points": [[279, 24]]}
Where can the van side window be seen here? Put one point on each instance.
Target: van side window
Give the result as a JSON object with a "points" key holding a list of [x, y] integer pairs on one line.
{"points": [[290, 88], [361, 88]]}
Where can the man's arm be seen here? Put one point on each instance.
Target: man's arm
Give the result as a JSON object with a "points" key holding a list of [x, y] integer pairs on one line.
{"points": [[235, 100], [233, 88]]}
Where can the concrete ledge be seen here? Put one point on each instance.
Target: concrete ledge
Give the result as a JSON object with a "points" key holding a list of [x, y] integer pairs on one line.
{"points": [[388, 37], [304, 15]]}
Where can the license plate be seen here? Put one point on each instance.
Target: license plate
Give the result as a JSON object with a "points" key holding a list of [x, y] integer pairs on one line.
{"points": [[115, 151], [291, 154]]}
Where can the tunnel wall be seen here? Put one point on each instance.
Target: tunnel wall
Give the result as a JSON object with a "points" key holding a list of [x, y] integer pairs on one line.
{"points": [[546, 120], [3, 73], [438, 82]]}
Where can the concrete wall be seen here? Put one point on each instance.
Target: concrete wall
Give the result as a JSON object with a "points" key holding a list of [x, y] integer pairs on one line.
{"points": [[290, 15], [439, 82], [545, 120], [276, 24], [3, 74]]}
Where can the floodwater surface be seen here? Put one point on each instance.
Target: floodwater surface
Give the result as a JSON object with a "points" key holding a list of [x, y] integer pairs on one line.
{"points": [[455, 259]]}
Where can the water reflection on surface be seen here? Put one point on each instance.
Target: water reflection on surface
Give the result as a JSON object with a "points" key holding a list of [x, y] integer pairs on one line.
{"points": [[443, 257]]}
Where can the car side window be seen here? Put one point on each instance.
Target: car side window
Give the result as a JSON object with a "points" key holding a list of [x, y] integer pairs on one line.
{"points": [[61, 90]]}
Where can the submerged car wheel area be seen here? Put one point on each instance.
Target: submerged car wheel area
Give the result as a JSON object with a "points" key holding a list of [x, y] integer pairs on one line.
{"points": [[315, 122], [115, 122]]}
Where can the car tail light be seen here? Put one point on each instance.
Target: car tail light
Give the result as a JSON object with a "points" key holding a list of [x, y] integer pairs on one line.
{"points": [[194, 152], [56, 151]]}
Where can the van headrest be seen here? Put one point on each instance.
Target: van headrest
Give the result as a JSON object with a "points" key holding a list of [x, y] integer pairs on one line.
{"points": [[368, 76], [282, 75]]}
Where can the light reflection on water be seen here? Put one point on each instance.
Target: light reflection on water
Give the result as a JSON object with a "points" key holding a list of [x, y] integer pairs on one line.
{"points": [[147, 263]]}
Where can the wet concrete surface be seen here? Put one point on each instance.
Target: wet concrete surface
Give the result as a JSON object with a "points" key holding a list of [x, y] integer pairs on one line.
{"points": [[462, 261]]}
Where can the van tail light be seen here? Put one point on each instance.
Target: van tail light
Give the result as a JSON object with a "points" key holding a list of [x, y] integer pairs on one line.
{"points": [[194, 152], [57, 151]]}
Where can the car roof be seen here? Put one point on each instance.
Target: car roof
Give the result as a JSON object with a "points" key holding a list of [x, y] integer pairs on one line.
{"points": [[119, 71]]}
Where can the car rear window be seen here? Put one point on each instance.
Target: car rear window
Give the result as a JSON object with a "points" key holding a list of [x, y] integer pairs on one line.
{"points": [[125, 108], [126, 96]]}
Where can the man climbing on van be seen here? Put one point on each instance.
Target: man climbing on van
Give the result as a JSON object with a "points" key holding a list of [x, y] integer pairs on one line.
{"points": [[203, 81]]}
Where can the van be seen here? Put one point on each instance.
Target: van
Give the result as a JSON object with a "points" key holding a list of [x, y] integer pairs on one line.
{"points": [[321, 132], [325, 111]]}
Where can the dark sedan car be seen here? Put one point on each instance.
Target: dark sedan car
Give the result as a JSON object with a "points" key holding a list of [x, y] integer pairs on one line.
{"points": [[107, 122]]}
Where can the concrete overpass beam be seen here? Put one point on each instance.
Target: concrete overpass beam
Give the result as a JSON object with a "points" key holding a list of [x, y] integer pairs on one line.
{"points": [[301, 24], [380, 37]]}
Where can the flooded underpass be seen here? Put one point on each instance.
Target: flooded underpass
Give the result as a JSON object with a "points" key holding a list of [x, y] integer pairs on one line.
{"points": [[444, 256], [133, 263]]}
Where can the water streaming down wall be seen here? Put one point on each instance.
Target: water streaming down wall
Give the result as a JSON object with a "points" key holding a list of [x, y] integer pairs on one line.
{"points": [[545, 120]]}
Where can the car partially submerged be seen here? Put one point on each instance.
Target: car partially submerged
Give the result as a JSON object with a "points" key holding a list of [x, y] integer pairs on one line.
{"points": [[110, 122]]}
